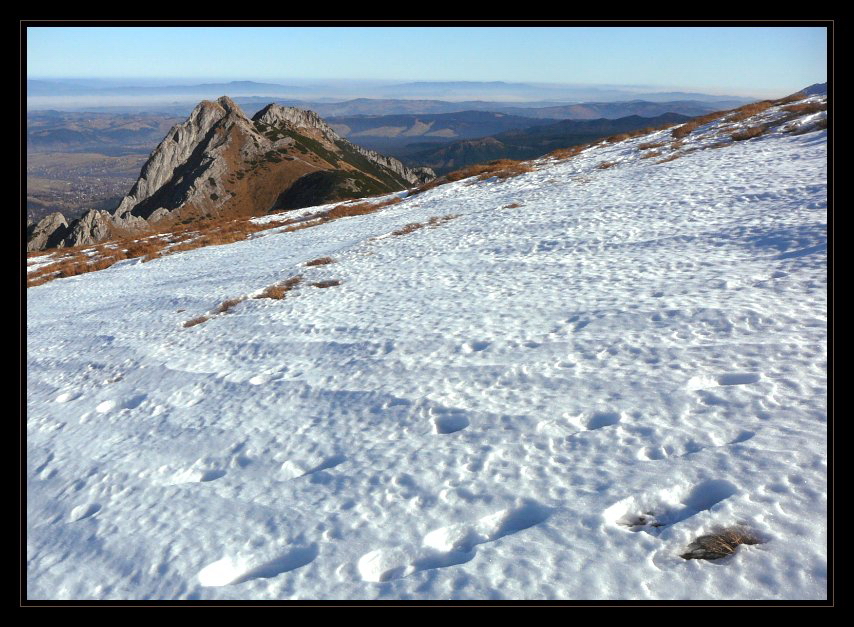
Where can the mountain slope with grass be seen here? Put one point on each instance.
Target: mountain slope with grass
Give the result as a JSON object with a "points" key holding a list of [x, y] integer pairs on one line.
{"points": [[219, 163], [599, 375]]}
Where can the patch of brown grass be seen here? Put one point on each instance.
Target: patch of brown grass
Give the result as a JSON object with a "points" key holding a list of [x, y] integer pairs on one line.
{"points": [[299, 226], [226, 305], [749, 110], [147, 247], [649, 145], [78, 262], [440, 180], [748, 133], [566, 153], [685, 129], [793, 98], [619, 137], [606, 164], [649, 155], [277, 291], [193, 322], [719, 544], [409, 228], [512, 205], [501, 168], [806, 107], [672, 157], [437, 220], [321, 261], [327, 283]]}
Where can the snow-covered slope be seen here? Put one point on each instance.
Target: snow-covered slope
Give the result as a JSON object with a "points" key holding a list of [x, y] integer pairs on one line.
{"points": [[549, 396]]}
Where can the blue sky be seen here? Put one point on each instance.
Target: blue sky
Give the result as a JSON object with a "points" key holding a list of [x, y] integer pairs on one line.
{"points": [[761, 61]]}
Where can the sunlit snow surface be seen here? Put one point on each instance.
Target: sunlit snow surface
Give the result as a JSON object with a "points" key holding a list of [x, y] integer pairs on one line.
{"points": [[480, 410]]}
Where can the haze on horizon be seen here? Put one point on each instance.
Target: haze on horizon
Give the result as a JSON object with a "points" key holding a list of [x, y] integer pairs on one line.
{"points": [[728, 61]]}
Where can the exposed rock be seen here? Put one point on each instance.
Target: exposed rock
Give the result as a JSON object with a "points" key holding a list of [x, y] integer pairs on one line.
{"points": [[221, 163], [182, 141], [274, 115], [92, 227], [47, 232]]}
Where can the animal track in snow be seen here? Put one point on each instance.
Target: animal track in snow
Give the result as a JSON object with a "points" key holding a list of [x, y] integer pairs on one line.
{"points": [[687, 447], [475, 346], [228, 570], [448, 419], [68, 396], [450, 545], [84, 511], [200, 472], [732, 378], [292, 469], [652, 512], [569, 425], [599, 419]]}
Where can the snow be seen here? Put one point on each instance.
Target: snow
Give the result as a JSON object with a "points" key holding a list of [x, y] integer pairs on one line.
{"points": [[549, 401]]}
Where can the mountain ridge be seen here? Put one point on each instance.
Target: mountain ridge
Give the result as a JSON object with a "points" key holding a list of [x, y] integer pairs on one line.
{"points": [[221, 163]]}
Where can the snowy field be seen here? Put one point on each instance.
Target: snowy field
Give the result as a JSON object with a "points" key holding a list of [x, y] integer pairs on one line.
{"points": [[547, 397]]}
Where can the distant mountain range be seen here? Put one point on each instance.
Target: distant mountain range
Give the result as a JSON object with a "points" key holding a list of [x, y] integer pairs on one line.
{"points": [[108, 133], [83, 94], [57, 88], [526, 143], [396, 134]]}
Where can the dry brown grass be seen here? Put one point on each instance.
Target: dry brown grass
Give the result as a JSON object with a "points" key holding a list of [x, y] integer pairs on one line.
{"points": [[198, 234], [672, 157], [649, 145], [606, 164], [500, 168], [149, 247], [749, 110], [299, 226], [277, 291], [512, 205], [321, 261], [719, 544], [73, 264], [440, 180], [566, 153], [226, 305], [437, 220], [685, 129], [793, 98], [806, 107], [193, 322], [749, 133], [649, 155], [409, 228], [327, 283]]}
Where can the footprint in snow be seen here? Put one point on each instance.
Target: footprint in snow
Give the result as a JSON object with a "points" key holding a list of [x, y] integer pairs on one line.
{"points": [[653, 512], [450, 545], [236, 570], [475, 347], [84, 511], [700, 382], [448, 420]]}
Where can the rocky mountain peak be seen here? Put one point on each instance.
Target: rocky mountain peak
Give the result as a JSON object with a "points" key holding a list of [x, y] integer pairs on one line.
{"points": [[220, 163], [277, 115], [229, 105]]}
